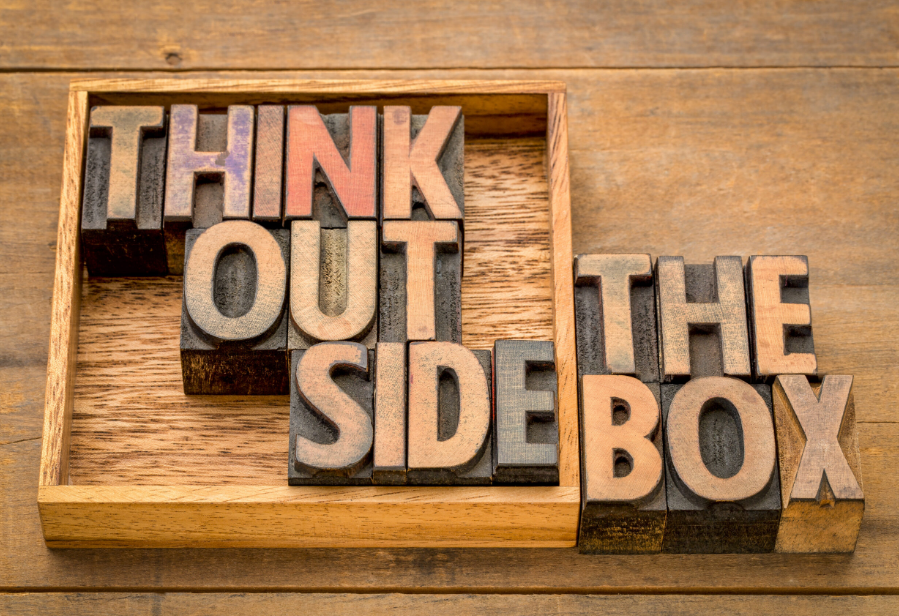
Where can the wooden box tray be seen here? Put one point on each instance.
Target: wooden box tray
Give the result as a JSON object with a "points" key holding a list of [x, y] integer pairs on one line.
{"points": [[129, 460]]}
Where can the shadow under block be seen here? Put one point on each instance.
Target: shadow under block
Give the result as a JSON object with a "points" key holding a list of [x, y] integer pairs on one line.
{"points": [[623, 500], [334, 293], [702, 319], [422, 164], [124, 181], [332, 165], [420, 283], [820, 468], [615, 316], [208, 174], [389, 453], [722, 481], [331, 415], [527, 414], [780, 316], [268, 161], [234, 315], [450, 439]]}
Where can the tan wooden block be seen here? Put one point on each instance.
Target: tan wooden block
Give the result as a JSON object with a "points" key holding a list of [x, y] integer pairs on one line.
{"points": [[820, 468], [331, 427], [702, 319], [780, 316], [124, 176], [422, 164], [268, 174], [623, 502], [420, 281], [450, 414], [722, 482], [527, 415], [332, 164], [233, 319], [334, 288], [209, 173], [389, 464], [615, 316]]}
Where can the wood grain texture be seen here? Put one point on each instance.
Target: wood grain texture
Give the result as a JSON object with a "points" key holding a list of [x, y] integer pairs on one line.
{"points": [[268, 161], [337, 604], [821, 483], [390, 417], [699, 33], [792, 156]]}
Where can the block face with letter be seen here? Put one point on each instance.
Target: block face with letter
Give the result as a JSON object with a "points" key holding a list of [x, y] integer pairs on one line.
{"points": [[209, 173], [722, 480], [780, 316], [268, 161], [527, 414], [623, 497], [615, 316], [450, 438], [389, 454], [332, 166], [820, 467], [420, 283], [234, 312], [422, 164], [702, 319], [331, 425], [334, 288], [124, 182]]}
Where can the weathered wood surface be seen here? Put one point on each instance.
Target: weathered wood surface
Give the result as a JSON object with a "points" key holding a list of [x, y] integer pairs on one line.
{"points": [[794, 157], [337, 604], [576, 33]]}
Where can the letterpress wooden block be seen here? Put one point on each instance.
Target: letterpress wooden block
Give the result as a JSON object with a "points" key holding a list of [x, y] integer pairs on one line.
{"points": [[420, 292], [209, 172], [820, 470], [332, 165], [269, 165], [331, 431], [527, 415], [722, 480], [334, 287], [234, 316], [389, 465], [702, 319], [615, 316], [623, 503], [124, 178], [780, 317], [450, 440], [422, 164]]}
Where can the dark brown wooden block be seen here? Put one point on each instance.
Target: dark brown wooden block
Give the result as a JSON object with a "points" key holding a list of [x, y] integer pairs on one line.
{"points": [[623, 501], [331, 429], [820, 469], [208, 174], [334, 293], [422, 164], [124, 180], [722, 480], [615, 316], [389, 464], [234, 316], [450, 441], [332, 165], [420, 286], [702, 319], [527, 415], [780, 316], [268, 163]]}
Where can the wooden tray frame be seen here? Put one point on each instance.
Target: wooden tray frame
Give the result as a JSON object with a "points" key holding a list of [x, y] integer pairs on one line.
{"points": [[284, 516]]}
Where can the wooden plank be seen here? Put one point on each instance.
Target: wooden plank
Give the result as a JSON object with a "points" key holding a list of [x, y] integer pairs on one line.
{"points": [[468, 34], [348, 604], [801, 151]]}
